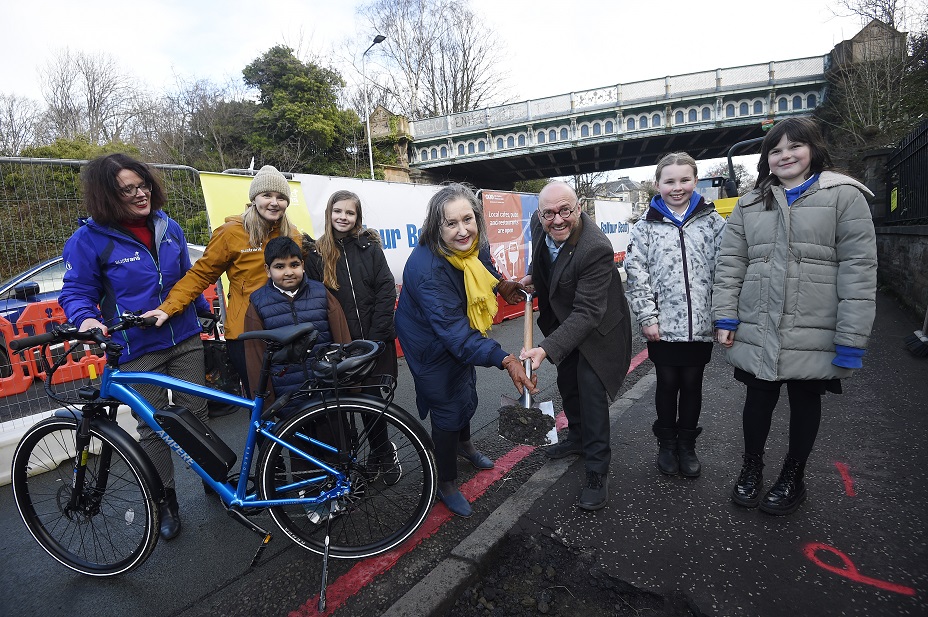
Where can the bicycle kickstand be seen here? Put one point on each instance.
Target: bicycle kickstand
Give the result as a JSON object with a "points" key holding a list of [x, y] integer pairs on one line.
{"points": [[325, 556], [244, 520]]}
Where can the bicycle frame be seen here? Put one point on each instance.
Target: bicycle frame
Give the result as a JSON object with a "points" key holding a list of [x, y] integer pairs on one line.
{"points": [[117, 384]]}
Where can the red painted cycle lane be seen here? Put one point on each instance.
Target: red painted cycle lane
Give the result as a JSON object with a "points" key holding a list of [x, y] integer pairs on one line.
{"points": [[364, 572]]}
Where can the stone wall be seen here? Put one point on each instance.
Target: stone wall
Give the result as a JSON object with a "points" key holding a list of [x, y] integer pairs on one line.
{"points": [[902, 252]]}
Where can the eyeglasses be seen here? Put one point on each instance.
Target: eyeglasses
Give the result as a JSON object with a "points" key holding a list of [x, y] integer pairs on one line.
{"points": [[564, 213], [131, 190]]}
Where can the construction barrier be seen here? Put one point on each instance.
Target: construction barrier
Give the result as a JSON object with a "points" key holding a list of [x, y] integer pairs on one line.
{"points": [[38, 318], [19, 379]]}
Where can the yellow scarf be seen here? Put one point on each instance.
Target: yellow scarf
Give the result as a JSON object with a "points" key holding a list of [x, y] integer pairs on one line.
{"points": [[479, 285]]}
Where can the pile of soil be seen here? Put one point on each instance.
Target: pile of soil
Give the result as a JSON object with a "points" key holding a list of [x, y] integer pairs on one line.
{"points": [[522, 425], [538, 575]]}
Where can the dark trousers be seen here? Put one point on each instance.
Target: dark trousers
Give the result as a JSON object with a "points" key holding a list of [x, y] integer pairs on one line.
{"points": [[805, 415], [586, 405], [236, 349], [446, 451]]}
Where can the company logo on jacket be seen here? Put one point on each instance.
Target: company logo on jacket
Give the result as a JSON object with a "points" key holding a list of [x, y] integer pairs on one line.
{"points": [[125, 260]]}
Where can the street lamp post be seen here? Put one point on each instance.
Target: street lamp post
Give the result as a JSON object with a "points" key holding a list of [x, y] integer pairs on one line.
{"points": [[367, 112]]}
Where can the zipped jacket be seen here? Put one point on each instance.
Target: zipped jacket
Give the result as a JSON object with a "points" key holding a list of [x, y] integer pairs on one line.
{"points": [[366, 288], [109, 271], [277, 310], [671, 269], [439, 344], [229, 252], [799, 279]]}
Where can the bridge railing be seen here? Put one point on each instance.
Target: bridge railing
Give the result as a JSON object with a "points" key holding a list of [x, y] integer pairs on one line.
{"points": [[652, 90]]}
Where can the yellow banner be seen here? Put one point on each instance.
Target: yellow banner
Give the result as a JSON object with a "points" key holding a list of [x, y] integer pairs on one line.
{"points": [[227, 195]]}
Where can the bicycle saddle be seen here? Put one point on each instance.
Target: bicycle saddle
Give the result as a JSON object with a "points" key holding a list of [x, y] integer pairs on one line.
{"points": [[346, 364], [281, 336]]}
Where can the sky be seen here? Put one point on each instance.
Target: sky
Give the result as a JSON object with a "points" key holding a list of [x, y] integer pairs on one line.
{"points": [[549, 47]]}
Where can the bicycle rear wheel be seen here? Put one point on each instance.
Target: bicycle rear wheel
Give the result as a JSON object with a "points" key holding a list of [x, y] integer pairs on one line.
{"points": [[114, 526], [389, 466]]}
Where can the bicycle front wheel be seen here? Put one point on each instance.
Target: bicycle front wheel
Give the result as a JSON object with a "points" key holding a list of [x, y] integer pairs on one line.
{"points": [[112, 526], [389, 466]]}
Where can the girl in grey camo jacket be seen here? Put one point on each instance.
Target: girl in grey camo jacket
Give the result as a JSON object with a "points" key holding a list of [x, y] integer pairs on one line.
{"points": [[670, 264]]}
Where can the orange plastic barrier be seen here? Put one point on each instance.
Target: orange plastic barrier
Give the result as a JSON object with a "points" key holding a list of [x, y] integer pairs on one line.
{"points": [[20, 378], [38, 318]]}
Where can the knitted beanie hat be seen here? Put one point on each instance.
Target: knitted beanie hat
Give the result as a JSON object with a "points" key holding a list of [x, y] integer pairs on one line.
{"points": [[268, 179]]}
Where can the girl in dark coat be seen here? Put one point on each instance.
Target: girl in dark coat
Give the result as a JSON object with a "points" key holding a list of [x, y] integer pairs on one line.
{"points": [[446, 307], [355, 270]]}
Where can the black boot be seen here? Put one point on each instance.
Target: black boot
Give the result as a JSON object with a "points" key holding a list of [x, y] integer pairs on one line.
{"points": [[169, 514], [686, 451], [747, 490], [789, 491], [667, 454]]}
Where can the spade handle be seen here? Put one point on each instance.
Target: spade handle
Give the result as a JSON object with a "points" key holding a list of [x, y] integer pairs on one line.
{"points": [[526, 399]]}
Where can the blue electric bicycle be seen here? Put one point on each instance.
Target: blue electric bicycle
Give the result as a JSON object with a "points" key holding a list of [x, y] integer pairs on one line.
{"points": [[347, 474]]}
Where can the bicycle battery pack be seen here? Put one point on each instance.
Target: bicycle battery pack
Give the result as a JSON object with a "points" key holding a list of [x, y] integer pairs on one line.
{"points": [[198, 441]]}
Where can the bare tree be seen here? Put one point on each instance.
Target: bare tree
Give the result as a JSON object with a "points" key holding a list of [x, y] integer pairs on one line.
{"points": [[462, 73], [586, 185], [90, 95], [439, 58], [890, 12], [19, 121], [744, 178]]}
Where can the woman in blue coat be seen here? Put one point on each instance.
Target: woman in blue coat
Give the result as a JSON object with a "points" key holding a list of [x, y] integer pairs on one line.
{"points": [[127, 257], [447, 304]]}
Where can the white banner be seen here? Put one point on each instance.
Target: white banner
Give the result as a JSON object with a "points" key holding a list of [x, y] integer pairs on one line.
{"points": [[614, 217], [396, 210]]}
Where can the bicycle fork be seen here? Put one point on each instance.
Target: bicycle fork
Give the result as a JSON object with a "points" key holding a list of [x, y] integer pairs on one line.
{"points": [[79, 474]]}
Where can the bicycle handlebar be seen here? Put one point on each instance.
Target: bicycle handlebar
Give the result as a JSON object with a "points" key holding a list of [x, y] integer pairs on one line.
{"points": [[32, 341], [68, 332]]}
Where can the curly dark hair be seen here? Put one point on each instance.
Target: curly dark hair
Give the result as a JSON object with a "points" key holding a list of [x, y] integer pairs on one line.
{"points": [[102, 198]]}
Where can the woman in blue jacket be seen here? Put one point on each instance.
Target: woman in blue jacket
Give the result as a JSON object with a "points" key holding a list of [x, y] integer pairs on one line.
{"points": [[446, 306], [127, 257]]}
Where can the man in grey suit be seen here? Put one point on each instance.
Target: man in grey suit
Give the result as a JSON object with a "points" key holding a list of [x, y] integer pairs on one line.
{"points": [[584, 317]]}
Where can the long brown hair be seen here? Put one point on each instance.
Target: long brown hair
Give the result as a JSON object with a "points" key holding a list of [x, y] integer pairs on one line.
{"points": [[327, 246], [801, 130]]}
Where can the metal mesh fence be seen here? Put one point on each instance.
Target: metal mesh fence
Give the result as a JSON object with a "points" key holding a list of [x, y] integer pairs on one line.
{"points": [[40, 205]]}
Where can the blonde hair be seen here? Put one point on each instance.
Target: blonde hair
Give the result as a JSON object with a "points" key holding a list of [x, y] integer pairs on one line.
{"points": [[675, 158], [259, 229], [326, 244]]}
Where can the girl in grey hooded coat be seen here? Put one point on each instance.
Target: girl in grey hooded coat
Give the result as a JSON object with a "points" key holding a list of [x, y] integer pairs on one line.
{"points": [[794, 299]]}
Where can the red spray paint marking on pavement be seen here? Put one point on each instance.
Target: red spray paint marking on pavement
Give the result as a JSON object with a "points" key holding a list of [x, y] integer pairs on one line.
{"points": [[364, 572], [849, 570], [845, 472]]}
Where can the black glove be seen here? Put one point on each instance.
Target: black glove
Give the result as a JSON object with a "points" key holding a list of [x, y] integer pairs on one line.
{"points": [[511, 291]]}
